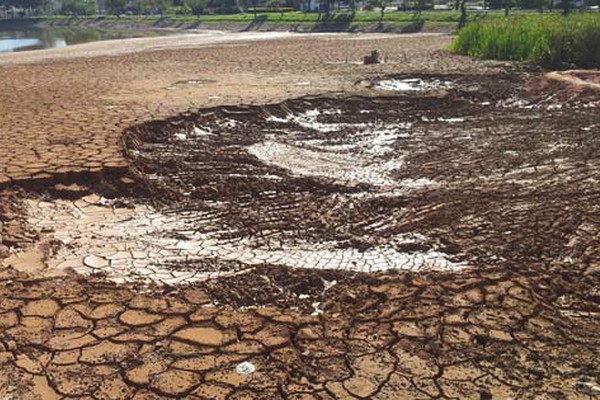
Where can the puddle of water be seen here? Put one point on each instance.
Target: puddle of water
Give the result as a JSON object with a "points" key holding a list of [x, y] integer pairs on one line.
{"points": [[25, 37], [7, 45]]}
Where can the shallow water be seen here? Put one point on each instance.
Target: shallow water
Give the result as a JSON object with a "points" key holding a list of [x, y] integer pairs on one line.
{"points": [[32, 38]]}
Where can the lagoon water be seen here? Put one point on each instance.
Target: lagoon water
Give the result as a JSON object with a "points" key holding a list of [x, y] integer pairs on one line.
{"points": [[33, 38]]}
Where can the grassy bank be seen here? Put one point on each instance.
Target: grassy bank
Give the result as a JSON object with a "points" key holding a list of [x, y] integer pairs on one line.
{"points": [[398, 21], [553, 41], [300, 17]]}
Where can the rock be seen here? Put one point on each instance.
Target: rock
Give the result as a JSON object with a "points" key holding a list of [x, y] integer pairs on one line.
{"points": [[245, 368], [3, 250], [70, 341], [72, 190], [74, 381], [8, 320], [374, 58]]}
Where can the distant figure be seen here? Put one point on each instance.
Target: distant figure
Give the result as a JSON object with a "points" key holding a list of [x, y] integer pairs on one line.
{"points": [[374, 58]]}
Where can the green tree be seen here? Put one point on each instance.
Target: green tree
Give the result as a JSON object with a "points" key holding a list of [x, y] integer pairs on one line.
{"points": [[463, 14], [567, 6], [35, 4], [115, 7], [382, 5], [276, 4], [198, 7], [79, 7], [352, 6], [140, 6]]}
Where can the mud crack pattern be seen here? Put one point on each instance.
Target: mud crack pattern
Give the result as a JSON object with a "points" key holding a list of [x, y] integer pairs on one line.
{"points": [[505, 191], [493, 333]]}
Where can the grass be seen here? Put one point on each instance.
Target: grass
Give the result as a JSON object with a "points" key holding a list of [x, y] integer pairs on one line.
{"points": [[408, 21], [549, 40], [360, 17]]}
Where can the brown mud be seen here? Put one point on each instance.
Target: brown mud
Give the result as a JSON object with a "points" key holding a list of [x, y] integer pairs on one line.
{"points": [[482, 172]]}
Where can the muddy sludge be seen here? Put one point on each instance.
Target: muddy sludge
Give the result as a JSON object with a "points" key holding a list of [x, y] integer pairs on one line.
{"points": [[414, 182], [463, 182]]}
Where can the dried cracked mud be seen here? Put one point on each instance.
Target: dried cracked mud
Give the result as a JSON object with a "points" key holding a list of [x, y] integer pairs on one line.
{"points": [[436, 239]]}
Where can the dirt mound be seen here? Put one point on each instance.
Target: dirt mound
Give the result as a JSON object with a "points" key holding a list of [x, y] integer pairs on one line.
{"points": [[574, 87]]}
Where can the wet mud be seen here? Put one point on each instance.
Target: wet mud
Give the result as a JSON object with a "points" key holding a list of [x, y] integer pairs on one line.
{"points": [[440, 243]]}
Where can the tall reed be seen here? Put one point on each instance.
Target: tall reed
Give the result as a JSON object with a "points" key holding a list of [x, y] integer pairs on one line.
{"points": [[549, 40]]}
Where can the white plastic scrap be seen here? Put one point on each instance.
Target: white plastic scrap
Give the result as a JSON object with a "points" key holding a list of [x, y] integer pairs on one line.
{"points": [[245, 368]]}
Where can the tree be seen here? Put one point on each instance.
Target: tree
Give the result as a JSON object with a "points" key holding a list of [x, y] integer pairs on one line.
{"points": [[352, 5], [275, 4], [115, 7], [381, 4], [197, 6], [463, 14], [566, 6], [79, 7], [35, 4]]}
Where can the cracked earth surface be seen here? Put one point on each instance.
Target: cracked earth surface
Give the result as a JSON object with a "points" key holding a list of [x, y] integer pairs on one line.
{"points": [[434, 243], [63, 110]]}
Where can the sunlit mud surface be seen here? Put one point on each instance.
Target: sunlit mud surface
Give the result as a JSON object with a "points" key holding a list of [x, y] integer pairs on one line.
{"points": [[430, 245], [141, 243], [348, 184]]}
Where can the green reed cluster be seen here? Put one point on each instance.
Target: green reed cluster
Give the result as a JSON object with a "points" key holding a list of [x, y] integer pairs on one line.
{"points": [[549, 40]]}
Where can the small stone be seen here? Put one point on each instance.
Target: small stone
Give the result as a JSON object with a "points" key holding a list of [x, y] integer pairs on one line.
{"points": [[245, 368]]}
